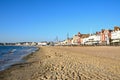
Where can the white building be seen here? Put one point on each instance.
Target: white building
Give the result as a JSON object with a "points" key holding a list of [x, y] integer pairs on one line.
{"points": [[84, 40], [91, 40], [115, 36], [33, 43], [42, 43], [18, 44]]}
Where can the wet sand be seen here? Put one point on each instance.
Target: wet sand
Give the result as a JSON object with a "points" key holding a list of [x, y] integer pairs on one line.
{"points": [[68, 63]]}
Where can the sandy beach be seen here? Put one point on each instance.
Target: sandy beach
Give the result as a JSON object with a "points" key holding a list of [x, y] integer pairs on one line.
{"points": [[68, 63]]}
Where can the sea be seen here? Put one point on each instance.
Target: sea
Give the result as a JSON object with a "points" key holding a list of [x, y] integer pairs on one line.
{"points": [[10, 55]]}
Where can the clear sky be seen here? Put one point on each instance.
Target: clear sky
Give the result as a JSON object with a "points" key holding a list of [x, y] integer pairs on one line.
{"points": [[41, 20]]}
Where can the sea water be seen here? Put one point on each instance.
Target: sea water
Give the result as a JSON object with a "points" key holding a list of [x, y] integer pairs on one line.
{"points": [[10, 55]]}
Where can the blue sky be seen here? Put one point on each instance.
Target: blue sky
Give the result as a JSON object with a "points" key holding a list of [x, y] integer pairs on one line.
{"points": [[40, 20]]}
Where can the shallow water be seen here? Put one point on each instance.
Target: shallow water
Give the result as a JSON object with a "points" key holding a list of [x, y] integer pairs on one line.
{"points": [[10, 55]]}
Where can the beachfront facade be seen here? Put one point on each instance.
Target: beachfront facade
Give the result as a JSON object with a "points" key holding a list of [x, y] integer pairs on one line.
{"points": [[42, 43], [77, 39], [91, 40], [103, 37], [69, 41], [115, 36], [26, 44]]}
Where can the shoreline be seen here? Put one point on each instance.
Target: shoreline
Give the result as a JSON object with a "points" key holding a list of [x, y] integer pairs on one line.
{"points": [[15, 66], [70, 63], [22, 61], [32, 53]]}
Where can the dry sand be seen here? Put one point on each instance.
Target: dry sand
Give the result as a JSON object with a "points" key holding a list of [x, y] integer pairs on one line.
{"points": [[68, 63]]}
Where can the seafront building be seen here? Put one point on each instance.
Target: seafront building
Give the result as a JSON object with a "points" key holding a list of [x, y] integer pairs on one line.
{"points": [[76, 39], [103, 37], [44, 43], [1, 44], [91, 40], [115, 36], [26, 44]]}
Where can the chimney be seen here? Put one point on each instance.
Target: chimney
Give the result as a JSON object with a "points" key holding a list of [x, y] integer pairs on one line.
{"points": [[116, 28]]}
